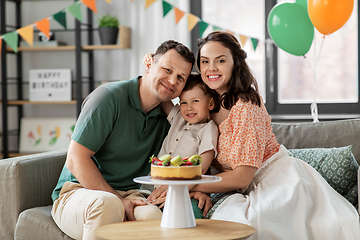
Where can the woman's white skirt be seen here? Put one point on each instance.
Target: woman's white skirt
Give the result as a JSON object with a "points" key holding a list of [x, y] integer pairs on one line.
{"points": [[288, 199]]}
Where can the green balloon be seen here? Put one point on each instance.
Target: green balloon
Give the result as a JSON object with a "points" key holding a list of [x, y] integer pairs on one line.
{"points": [[290, 28]]}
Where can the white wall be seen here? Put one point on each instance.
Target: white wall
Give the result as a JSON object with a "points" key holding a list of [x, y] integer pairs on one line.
{"points": [[148, 30]]}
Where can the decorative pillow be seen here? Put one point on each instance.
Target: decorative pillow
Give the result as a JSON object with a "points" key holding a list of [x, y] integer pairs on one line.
{"points": [[337, 166]]}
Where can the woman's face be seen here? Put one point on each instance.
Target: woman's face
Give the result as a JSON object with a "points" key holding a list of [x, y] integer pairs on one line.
{"points": [[216, 66]]}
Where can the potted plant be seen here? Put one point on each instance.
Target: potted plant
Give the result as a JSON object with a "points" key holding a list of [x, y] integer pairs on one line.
{"points": [[108, 29]]}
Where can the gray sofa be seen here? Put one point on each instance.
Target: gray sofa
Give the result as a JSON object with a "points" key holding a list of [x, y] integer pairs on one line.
{"points": [[26, 182]]}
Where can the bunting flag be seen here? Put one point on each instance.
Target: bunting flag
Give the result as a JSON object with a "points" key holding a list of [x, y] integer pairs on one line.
{"points": [[203, 26], [60, 17], [254, 42], [27, 33], [242, 40], [178, 15], [12, 39], [44, 26], [90, 4], [75, 10], [215, 28], [192, 21], [148, 3], [109, 1], [166, 8]]}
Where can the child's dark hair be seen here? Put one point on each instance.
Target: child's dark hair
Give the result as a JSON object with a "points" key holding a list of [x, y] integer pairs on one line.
{"points": [[195, 80]]}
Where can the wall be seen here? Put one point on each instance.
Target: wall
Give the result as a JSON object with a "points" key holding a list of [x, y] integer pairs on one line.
{"points": [[148, 29]]}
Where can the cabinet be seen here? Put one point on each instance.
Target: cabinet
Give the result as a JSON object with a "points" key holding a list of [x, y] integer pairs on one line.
{"points": [[78, 48]]}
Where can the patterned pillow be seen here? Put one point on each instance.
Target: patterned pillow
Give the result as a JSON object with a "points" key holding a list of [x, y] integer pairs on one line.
{"points": [[337, 166]]}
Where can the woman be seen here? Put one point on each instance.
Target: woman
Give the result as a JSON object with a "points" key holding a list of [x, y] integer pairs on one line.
{"points": [[282, 197]]}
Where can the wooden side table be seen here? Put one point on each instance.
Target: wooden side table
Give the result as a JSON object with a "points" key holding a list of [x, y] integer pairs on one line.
{"points": [[151, 229]]}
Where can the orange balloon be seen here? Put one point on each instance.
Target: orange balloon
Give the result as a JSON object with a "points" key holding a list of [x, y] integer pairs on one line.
{"points": [[328, 16]]}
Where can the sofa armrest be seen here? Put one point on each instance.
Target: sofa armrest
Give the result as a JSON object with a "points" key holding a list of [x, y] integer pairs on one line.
{"points": [[27, 182]]}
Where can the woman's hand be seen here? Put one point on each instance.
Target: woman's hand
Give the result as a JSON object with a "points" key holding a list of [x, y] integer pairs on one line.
{"points": [[204, 201], [158, 196]]}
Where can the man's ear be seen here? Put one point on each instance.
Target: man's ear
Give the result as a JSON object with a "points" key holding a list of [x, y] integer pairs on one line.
{"points": [[148, 66], [211, 104]]}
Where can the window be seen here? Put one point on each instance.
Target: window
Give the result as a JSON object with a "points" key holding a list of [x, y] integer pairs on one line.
{"points": [[287, 81]]}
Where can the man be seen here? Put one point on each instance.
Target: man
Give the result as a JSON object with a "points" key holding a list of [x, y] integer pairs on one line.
{"points": [[120, 126]]}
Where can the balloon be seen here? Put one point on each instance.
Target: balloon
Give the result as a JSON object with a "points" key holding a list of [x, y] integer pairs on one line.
{"points": [[302, 3], [290, 28], [328, 16]]}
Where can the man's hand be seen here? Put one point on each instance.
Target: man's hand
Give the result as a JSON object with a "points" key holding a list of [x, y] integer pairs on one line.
{"points": [[204, 201], [129, 205], [158, 196]]}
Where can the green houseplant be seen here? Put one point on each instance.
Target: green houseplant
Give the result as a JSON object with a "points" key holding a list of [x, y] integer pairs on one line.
{"points": [[108, 29]]}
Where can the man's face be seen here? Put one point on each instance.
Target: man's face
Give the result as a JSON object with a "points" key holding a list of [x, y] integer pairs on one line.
{"points": [[167, 75]]}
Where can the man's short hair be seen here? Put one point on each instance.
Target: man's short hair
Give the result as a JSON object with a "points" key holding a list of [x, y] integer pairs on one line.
{"points": [[180, 48]]}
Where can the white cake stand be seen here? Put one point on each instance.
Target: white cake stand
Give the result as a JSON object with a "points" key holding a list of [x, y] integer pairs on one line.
{"points": [[178, 212]]}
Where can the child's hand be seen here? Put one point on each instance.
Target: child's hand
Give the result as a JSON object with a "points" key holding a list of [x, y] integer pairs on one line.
{"points": [[158, 196]]}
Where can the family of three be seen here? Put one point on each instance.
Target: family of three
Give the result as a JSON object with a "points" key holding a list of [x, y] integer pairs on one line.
{"points": [[123, 123]]}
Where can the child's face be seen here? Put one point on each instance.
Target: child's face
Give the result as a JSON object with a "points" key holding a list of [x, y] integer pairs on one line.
{"points": [[195, 106]]}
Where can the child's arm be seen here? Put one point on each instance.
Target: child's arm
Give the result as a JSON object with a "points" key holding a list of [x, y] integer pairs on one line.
{"points": [[206, 159], [167, 106]]}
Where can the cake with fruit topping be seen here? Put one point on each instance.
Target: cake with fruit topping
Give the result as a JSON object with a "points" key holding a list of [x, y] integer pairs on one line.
{"points": [[176, 168]]}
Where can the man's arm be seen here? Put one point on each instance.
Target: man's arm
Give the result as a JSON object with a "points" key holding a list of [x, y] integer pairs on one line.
{"points": [[81, 165]]}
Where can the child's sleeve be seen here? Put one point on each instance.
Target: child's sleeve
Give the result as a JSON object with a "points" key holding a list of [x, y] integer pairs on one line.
{"points": [[208, 138]]}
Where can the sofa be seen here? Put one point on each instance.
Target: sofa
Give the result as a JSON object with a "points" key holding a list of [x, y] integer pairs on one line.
{"points": [[26, 182]]}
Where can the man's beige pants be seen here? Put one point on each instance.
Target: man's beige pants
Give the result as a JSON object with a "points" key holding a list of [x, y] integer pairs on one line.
{"points": [[79, 212]]}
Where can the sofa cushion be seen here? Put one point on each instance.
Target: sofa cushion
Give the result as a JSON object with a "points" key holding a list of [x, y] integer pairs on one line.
{"points": [[37, 224], [336, 165], [325, 134]]}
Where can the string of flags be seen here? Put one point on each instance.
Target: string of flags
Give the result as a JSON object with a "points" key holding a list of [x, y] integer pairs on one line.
{"points": [[43, 25], [194, 20]]}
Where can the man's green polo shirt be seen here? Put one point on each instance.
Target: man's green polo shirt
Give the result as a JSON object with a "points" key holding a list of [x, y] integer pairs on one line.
{"points": [[122, 135]]}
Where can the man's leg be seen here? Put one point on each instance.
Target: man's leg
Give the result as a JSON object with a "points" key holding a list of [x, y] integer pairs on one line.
{"points": [[79, 212]]}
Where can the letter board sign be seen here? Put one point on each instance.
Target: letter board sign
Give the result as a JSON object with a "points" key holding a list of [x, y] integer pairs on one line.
{"points": [[50, 85]]}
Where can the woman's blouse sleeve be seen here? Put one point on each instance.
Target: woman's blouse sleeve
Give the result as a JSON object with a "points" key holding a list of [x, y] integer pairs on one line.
{"points": [[243, 136]]}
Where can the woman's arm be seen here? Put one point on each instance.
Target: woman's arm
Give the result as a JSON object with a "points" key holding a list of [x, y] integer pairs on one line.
{"points": [[238, 178]]}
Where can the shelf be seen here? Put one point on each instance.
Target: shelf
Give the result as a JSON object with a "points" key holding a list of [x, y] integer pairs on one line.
{"points": [[125, 43], [26, 102]]}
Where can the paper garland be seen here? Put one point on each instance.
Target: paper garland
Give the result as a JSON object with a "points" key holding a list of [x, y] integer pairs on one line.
{"points": [[27, 32], [194, 20], [43, 25]]}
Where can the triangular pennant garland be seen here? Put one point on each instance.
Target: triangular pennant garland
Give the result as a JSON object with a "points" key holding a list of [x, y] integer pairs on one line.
{"points": [[90, 4], [254, 42], [166, 8], [109, 1], [44, 26], [12, 39], [242, 40], [27, 33], [60, 17], [192, 21], [215, 28], [148, 3], [202, 25], [178, 15], [75, 10]]}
